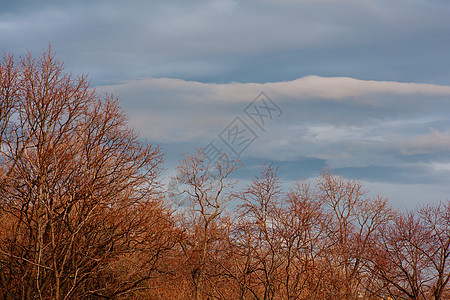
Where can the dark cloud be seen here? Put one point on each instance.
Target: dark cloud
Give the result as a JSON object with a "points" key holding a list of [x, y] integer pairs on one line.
{"points": [[247, 41]]}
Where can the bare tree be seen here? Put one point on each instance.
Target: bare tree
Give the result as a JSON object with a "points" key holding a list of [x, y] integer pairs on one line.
{"points": [[412, 253], [256, 237], [353, 221], [308, 244], [9, 95], [303, 222], [77, 188], [436, 220], [207, 185], [82, 214]]}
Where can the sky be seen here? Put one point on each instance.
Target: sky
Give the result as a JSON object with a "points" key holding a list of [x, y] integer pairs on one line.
{"points": [[359, 86]]}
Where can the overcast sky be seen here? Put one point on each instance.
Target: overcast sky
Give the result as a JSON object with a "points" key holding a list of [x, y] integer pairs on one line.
{"points": [[361, 86]]}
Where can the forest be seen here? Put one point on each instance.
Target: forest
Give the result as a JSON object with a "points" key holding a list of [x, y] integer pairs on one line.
{"points": [[84, 214]]}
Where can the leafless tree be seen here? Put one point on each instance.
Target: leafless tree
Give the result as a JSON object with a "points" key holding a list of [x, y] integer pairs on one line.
{"points": [[303, 221], [412, 253], [353, 221], [207, 184], [78, 190], [83, 214], [256, 239]]}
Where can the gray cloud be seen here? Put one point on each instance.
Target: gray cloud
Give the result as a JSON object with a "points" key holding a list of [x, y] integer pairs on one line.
{"points": [[185, 69], [225, 40], [383, 128]]}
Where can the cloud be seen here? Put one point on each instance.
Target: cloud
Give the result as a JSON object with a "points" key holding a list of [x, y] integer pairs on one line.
{"points": [[344, 121], [185, 69], [320, 109], [435, 142], [306, 89], [225, 40], [393, 135]]}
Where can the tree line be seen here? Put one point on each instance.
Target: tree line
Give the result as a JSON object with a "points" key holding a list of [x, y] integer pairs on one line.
{"points": [[84, 214]]}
